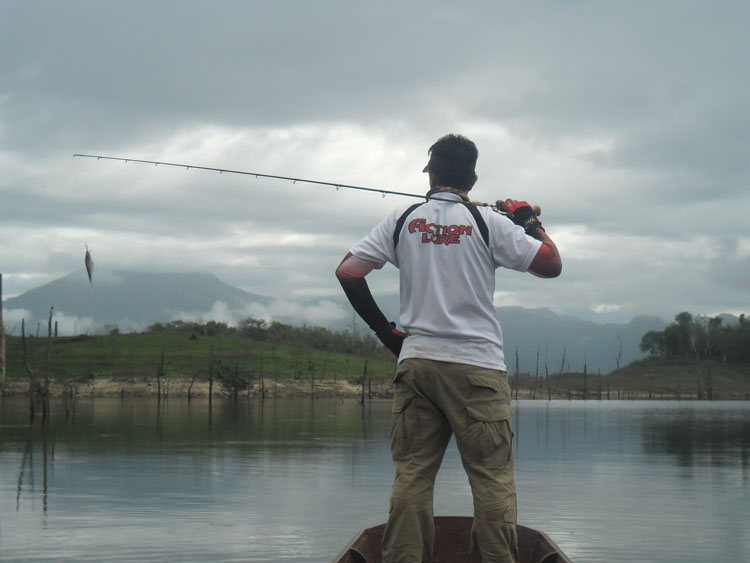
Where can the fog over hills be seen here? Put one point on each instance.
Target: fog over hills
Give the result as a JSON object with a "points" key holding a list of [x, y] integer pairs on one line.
{"points": [[131, 301]]}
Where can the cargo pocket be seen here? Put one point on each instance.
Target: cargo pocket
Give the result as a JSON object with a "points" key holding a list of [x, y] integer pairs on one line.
{"points": [[486, 387], [488, 434], [404, 427]]}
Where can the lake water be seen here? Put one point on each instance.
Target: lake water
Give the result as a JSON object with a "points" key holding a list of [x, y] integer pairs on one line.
{"points": [[294, 480]]}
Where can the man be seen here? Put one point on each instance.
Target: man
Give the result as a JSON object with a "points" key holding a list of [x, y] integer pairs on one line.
{"points": [[451, 376]]}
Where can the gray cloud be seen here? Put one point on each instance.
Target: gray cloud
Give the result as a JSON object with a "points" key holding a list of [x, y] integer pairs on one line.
{"points": [[626, 123]]}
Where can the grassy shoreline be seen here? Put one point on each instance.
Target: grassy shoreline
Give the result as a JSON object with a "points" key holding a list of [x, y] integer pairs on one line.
{"points": [[578, 386], [173, 365], [181, 388]]}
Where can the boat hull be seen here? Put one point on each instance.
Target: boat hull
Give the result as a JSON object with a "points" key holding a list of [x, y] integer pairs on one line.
{"points": [[452, 535]]}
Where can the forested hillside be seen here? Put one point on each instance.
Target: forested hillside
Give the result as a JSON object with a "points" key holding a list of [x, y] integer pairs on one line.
{"points": [[701, 338]]}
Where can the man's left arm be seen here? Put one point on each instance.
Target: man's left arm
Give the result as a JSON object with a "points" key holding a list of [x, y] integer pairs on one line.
{"points": [[351, 275]]}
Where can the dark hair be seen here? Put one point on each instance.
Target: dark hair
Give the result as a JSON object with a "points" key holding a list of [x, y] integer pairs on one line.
{"points": [[452, 161]]}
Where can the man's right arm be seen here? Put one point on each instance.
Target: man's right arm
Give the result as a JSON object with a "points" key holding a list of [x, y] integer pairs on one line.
{"points": [[546, 263]]}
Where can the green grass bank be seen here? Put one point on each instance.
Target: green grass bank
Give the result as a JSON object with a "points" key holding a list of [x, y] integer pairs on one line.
{"points": [[138, 364]]}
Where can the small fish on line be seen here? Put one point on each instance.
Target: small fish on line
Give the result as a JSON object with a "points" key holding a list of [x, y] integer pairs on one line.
{"points": [[89, 265]]}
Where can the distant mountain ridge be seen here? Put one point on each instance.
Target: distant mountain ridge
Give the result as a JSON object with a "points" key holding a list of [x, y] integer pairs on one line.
{"points": [[132, 301], [577, 341]]}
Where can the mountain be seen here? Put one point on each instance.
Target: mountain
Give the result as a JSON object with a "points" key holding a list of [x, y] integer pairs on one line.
{"points": [[557, 336], [128, 300], [131, 301]]}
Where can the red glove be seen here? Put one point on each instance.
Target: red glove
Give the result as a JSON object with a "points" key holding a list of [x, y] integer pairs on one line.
{"points": [[521, 213], [518, 211]]}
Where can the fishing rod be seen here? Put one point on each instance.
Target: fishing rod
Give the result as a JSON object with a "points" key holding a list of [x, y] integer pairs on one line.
{"points": [[336, 185]]}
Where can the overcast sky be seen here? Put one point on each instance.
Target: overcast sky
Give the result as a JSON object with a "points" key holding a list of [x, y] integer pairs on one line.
{"points": [[627, 122]]}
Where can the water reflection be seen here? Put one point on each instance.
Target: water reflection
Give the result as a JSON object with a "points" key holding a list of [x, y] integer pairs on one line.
{"points": [[686, 433], [699, 435], [624, 470], [294, 480], [26, 473]]}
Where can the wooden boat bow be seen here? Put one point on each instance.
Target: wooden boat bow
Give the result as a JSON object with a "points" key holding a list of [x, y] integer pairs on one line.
{"points": [[452, 535]]}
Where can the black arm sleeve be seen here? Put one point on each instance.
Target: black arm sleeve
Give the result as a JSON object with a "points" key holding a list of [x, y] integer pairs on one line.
{"points": [[358, 293]]}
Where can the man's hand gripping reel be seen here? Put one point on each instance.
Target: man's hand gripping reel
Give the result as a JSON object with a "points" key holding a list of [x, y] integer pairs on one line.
{"points": [[521, 213]]}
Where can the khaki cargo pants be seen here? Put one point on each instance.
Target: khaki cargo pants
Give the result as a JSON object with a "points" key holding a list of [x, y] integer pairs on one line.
{"points": [[432, 401]]}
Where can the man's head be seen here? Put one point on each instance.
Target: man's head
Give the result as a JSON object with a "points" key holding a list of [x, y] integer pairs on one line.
{"points": [[452, 162]]}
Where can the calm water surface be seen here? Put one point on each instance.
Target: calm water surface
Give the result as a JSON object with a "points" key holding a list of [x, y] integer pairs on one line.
{"points": [[293, 480]]}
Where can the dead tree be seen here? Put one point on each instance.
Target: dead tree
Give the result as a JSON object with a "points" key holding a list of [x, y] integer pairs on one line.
{"points": [[704, 359], [2, 340], [619, 352], [29, 370], [262, 381], [364, 378], [562, 363], [275, 377], [48, 371], [210, 375], [159, 375], [190, 388], [562, 370], [585, 379]]}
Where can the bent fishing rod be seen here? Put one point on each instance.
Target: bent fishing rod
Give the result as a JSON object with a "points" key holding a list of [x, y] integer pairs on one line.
{"points": [[383, 192]]}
